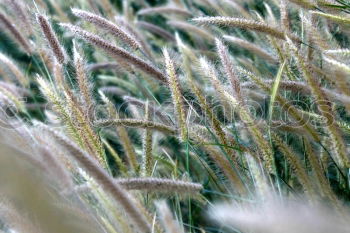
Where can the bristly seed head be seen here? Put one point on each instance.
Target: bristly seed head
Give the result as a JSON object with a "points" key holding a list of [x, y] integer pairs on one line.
{"points": [[116, 51], [108, 26], [51, 38]]}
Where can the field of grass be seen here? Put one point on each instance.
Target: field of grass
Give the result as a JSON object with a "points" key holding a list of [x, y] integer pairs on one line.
{"points": [[127, 116]]}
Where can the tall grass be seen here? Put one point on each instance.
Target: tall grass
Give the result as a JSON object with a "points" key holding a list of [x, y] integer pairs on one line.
{"points": [[180, 116]]}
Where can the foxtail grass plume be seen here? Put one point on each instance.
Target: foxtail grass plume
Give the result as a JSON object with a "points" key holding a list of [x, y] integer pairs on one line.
{"points": [[170, 225], [51, 38], [83, 82], [251, 47], [18, 74], [292, 110], [192, 110], [196, 31], [285, 21], [147, 144], [246, 24], [307, 4], [156, 30], [160, 185], [339, 65], [21, 40], [228, 68], [11, 99], [277, 216], [116, 51], [343, 52], [325, 108], [323, 183], [18, 8], [152, 108], [177, 97], [165, 10], [246, 117], [137, 124], [115, 190], [102, 66], [108, 26], [296, 166], [122, 134], [129, 27]]}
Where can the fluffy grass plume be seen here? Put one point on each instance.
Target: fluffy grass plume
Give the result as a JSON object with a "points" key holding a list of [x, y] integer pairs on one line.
{"points": [[174, 116], [51, 38]]}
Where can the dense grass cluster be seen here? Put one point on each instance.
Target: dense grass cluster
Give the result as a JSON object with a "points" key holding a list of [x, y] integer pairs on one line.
{"points": [[174, 116]]}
